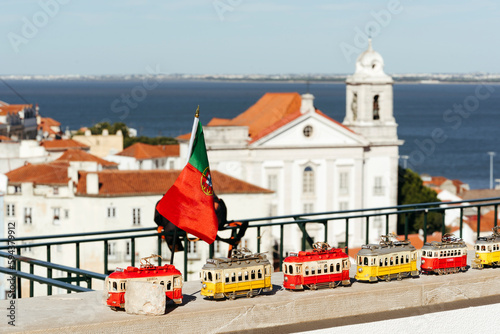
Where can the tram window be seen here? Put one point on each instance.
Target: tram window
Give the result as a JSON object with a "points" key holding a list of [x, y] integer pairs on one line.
{"points": [[210, 276], [297, 270], [441, 253], [456, 252], [338, 267], [360, 260], [227, 278], [233, 277], [423, 253], [259, 273], [204, 275], [402, 259], [319, 269], [169, 285], [331, 268], [290, 269], [252, 274], [313, 271], [285, 269], [373, 261], [435, 254], [483, 248], [114, 286], [122, 286], [240, 277], [307, 270], [246, 275], [217, 277], [326, 269], [365, 262], [407, 258], [386, 262], [489, 248], [177, 281], [162, 283], [381, 264], [392, 261], [397, 260]]}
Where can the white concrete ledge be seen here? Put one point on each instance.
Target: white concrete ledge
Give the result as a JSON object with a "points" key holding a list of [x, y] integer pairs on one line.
{"points": [[86, 312]]}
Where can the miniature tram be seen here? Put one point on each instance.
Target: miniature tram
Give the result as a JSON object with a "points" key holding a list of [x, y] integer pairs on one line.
{"points": [[243, 274], [389, 259], [487, 250], [321, 267], [445, 257], [167, 275]]}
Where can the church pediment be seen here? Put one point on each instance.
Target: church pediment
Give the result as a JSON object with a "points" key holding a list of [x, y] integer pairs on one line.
{"points": [[312, 129]]}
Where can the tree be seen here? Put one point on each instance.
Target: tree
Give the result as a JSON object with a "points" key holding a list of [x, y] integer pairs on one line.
{"points": [[148, 140], [112, 129], [411, 190]]}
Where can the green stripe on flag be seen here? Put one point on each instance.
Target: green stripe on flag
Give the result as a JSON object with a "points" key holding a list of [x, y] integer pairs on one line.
{"points": [[199, 159]]}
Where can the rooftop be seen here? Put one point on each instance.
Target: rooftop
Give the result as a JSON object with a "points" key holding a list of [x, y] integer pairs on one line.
{"points": [[54, 173], [157, 182], [141, 151], [63, 144], [79, 155]]}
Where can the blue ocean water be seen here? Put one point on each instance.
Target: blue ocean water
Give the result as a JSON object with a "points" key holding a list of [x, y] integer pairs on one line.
{"points": [[440, 138]]}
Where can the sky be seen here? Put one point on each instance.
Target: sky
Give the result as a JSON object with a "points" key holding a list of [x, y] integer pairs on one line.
{"points": [[118, 37]]}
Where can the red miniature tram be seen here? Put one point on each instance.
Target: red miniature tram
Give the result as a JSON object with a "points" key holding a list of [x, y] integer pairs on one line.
{"points": [[445, 257], [322, 267], [167, 275]]}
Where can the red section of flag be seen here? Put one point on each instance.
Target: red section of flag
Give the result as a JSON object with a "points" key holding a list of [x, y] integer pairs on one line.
{"points": [[188, 207]]}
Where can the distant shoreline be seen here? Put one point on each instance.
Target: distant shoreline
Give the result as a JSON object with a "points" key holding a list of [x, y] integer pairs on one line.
{"points": [[341, 79]]}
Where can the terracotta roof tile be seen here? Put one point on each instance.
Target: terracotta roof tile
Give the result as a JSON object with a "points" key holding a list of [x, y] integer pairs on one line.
{"points": [[486, 224], [480, 193], [79, 155], [157, 182], [46, 124], [48, 173], [13, 108], [63, 144], [142, 151]]}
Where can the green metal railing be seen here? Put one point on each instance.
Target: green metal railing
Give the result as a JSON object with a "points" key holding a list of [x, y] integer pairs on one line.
{"points": [[347, 217]]}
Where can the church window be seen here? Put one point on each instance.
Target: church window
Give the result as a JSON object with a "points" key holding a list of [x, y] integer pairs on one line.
{"points": [[376, 109], [308, 130], [272, 182], [308, 181], [378, 188], [344, 183]]}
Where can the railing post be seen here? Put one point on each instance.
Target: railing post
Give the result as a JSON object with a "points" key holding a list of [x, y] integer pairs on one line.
{"points": [[461, 222], [185, 256], [68, 275], [211, 250], [19, 291], [159, 249], [77, 245], [367, 230], [303, 241], [281, 243], [105, 257], [425, 225], [258, 239], [496, 215], [387, 224], [325, 223], [32, 288], [478, 221], [49, 272], [406, 226], [347, 236], [443, 226], [132, 252]]}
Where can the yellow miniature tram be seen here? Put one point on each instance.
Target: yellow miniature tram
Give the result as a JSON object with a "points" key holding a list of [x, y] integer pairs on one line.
{"points": [[387, 260], [487, 250], [244, 274]]}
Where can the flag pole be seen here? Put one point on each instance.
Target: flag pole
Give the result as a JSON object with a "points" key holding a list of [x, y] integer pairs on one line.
{"points": [[190, 149]]}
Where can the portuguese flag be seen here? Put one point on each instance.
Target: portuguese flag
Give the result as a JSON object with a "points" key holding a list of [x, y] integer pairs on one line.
{"points": [[189, 203]]}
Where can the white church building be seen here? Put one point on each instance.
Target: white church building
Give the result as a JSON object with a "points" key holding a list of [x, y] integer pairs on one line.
{"points": [[312, 162]]}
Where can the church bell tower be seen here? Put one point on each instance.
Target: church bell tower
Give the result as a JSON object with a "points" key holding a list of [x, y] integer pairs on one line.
{"points": [[369, 99]]}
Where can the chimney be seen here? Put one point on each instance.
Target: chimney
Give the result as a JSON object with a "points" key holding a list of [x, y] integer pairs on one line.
{"points": [[92, 184], [105, 132], [307, 103]]}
